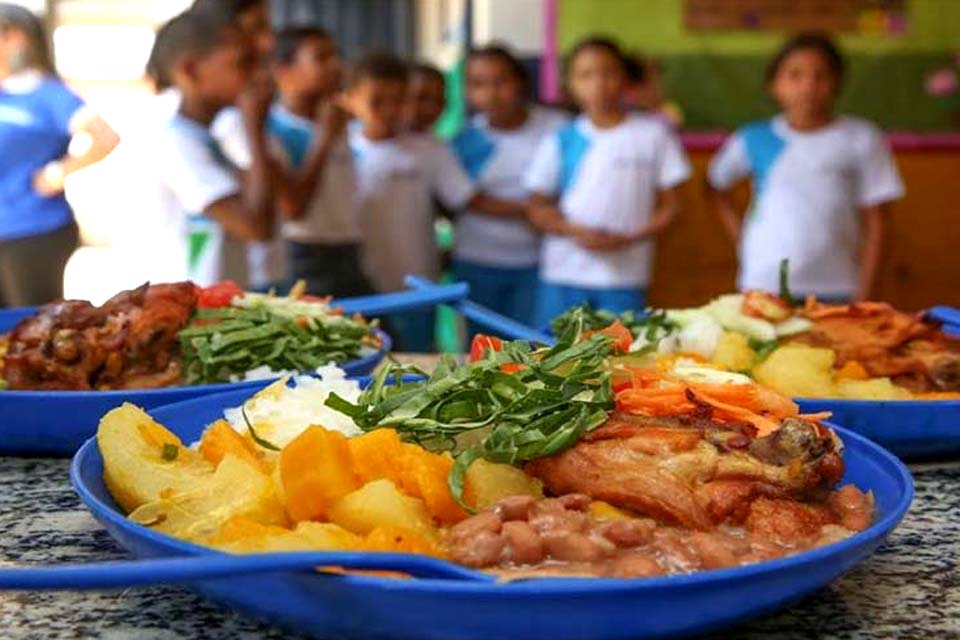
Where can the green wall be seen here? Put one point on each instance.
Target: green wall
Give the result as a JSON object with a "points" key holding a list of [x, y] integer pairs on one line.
{"points": [[717, 78]]}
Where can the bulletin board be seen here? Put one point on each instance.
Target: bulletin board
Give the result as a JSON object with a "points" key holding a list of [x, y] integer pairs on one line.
{"points": [[794, 15]]}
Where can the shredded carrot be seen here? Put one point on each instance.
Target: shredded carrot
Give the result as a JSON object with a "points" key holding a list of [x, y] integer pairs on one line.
{"points": [[816, 417]]}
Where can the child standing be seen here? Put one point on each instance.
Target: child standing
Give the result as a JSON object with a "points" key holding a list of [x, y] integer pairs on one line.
{"points": [[603, 187], [322, 226], [398, 174], [498, 254], [821, 182], [211, 65], [426, 99]]}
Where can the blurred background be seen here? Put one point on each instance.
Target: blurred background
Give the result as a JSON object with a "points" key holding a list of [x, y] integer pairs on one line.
{"points": [[708, 57]]}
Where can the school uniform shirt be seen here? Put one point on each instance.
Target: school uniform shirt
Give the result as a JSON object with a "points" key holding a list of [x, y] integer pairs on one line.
{"points": [[397, 179], [606, 179], [331, 217], [808, 189], [38, 116], [192, 173], [497, 160]]}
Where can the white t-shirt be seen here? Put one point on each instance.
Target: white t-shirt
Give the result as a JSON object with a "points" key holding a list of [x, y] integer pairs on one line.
{"points": [[808, 187], [191, 174], [497, 161], [397, 179], [606, 179], [331, 216]]}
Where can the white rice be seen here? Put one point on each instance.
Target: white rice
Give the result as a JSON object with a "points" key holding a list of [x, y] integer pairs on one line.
{"points": [[281, 413]]}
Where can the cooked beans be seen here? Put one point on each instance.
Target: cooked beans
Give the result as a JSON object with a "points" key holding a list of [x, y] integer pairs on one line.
{"points": [[522, 537]]}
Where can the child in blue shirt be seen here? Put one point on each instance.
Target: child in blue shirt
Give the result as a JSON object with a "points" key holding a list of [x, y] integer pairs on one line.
{"points": [[604, 187], [498, 254]]}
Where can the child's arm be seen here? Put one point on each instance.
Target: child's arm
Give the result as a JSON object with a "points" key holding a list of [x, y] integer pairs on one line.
{"points": [[545, 215], [726, 210], [497, 207], [666, 211], [874, 227], [299, 186], [248, 214]]}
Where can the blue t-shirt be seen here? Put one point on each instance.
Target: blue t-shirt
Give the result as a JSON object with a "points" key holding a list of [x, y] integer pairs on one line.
{"points": [[34, 130]]}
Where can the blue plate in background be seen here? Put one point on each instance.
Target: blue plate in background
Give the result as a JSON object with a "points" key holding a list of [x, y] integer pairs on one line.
{"points": [[912, 429], [368, 608], [56, 423]]}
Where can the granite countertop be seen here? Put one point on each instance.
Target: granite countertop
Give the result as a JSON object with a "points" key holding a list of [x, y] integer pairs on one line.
{"points": [[909, 589]]}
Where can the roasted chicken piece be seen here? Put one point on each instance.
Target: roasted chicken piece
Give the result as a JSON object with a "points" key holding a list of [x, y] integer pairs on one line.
{"points": [[695, 472], [887, 343], [129, 342]]}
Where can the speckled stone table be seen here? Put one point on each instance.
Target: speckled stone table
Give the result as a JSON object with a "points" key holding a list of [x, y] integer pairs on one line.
{"points": [[909, 589]]}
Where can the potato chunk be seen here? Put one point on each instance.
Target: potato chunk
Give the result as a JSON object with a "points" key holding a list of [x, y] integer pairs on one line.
{"points": [[799, 371], [381, 504], [143, 461], [488, 483], [236, 488]]}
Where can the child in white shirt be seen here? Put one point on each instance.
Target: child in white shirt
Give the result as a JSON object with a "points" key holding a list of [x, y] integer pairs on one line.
{"points": [[821, 183], [603, 188], [498, 255], [398, 174], [210, 63]]}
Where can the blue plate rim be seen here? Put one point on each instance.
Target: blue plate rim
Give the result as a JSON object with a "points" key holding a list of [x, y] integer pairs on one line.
{"points": [[207, 389], [569, 586], [852, 402]]}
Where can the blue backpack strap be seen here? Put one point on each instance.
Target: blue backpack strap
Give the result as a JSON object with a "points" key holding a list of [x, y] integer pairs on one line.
{"points": [[763, 146], [573, 148], [473, 149]]}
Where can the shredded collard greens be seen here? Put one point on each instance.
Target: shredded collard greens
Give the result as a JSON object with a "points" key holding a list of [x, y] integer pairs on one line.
{"points": [[547, 401], [649, 323], [225, 343]]}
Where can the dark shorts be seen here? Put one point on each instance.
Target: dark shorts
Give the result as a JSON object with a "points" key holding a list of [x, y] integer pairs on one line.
{"points": [[31, 268], [328, 269]]}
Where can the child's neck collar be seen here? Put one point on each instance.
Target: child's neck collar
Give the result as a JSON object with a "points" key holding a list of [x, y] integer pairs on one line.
{"points": [[809, 125], [606, 120]]}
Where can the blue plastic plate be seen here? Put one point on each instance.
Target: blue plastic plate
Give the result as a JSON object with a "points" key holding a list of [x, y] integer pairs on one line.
{"points": [[56, 423], [912, 429], [363, 608]]}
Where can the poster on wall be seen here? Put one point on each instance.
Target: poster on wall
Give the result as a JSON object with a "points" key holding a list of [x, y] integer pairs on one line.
{"points": [[857, 16]]}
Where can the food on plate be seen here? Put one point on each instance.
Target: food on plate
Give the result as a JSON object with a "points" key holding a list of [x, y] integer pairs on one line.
{"points": [[169, 334], [523, 462], [865, 350], [129, 342]]}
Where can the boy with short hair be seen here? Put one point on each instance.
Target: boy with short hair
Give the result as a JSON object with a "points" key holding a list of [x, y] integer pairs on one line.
{"points": [[321, 225], [398, 175], [426, 99], [211, 65]]}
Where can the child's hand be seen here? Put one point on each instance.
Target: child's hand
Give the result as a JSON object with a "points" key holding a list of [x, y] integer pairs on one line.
{"points": [[332, 120], [596, 240], [49, 180], [546, 218], [254, 102]]}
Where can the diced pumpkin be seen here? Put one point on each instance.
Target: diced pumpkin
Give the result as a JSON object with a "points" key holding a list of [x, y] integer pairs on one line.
{"points": [[316, 470], [603, 511], [381, 504], [377, 455], [852, 370], [488, 483], [399, 540], [220, 439], [425, 477]]}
